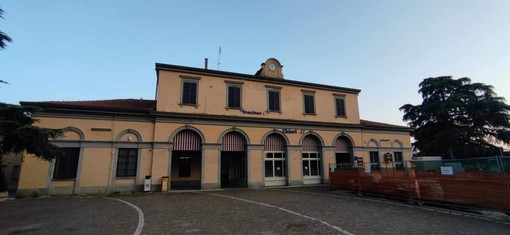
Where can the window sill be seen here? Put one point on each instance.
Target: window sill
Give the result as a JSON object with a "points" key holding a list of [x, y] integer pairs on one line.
{"points": [[341, 116], [64, 179], [274, 111], [311, 114], [195, 105], [234, 108]]}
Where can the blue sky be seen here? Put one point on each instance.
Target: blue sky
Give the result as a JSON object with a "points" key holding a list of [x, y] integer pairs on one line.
{"points": [[88, 50]]}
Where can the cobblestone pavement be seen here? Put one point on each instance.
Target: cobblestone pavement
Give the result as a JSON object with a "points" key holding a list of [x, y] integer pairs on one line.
{"points": [[303, 210]]}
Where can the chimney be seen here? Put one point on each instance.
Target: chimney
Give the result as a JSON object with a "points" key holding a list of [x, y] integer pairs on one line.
{"points": [[206, 62]]}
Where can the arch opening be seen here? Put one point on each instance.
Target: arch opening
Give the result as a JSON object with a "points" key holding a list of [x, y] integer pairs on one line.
{"points": [[186, 160], [233, 169], [311, 160], [275, 160], [344, 155]]}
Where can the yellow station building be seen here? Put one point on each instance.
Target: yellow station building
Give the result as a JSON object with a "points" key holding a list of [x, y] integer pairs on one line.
{"points": [[209, 129]]}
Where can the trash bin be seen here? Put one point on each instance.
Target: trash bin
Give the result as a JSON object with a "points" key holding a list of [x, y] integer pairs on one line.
{"points": [[147, 184], [164, 184]]}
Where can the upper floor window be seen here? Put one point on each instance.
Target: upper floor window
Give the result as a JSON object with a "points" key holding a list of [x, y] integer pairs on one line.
{"points": [[189, 91], [66, 165], [309, 103], [234, 96], [340, 106], [273, 100]]}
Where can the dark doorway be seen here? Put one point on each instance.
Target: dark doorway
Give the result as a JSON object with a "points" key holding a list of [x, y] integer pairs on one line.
{"points": [[233, 169], [343, 158], [186, 170]]}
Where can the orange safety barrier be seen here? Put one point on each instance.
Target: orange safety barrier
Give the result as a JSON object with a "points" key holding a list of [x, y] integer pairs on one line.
{"points": [[480, 189]]}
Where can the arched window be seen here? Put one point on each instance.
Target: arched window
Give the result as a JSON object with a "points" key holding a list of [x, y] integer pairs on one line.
{"points": [[275, 160], [343, 151], [311, 160]]}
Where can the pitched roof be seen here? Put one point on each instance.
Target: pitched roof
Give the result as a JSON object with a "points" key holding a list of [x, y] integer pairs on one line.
{"points": [[144, 105], [123, 104], [378, 124]]}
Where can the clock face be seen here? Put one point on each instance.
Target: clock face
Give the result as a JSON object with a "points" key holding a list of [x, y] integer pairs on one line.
{"points": [[272, 67]]}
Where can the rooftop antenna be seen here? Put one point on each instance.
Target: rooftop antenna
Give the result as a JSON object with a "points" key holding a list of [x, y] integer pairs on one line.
{"points": [[219, 53]]}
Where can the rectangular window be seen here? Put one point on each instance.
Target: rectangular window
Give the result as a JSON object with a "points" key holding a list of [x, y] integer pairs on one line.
{"points": [[66, 165], [374, 160], [269, 168], [399, 161], [274, 100], [309, 103], [15, 173], [189, 92], [340, 106], [126, 162], [184, 166], [311, 164], [234, 96]]}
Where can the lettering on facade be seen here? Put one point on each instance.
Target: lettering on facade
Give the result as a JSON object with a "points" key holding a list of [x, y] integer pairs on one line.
{"points": [[253, 112], [304, 131], [289, 131]]}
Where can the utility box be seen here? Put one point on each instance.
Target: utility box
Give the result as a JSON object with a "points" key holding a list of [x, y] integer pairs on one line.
{"points": [[147, 184], [164, 184]]}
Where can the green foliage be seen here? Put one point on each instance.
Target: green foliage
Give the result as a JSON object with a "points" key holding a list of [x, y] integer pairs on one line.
{"points": [[458, 118], [3, 37], [18, 135]]}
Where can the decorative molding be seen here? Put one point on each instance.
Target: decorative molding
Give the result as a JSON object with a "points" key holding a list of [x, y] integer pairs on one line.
{"points": [[189, 77], [234, 82]]}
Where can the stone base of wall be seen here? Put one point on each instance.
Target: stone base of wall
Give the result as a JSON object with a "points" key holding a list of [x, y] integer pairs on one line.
{"points": [[62, 190], [295, 182], [32, 192], [211, 185]]}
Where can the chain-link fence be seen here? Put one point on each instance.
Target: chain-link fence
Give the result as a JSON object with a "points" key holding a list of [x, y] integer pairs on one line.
{"points": [[480, 182]]}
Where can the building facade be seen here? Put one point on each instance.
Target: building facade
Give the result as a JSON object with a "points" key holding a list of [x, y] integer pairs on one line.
{"points": [[209, 129]]}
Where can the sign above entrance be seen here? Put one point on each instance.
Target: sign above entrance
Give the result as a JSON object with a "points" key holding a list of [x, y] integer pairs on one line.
{"points": [[253, 112], [289, 131]]}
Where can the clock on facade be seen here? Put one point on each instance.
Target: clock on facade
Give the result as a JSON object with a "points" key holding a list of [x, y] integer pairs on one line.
{"points": [[272, 67]]}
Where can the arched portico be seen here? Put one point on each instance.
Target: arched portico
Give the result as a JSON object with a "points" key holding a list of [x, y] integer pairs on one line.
{"points": [[186, 160], [233, 167], [311, 159], [275, 160]]}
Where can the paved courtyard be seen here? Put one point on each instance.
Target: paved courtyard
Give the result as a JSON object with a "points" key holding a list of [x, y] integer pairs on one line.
{"points": [[304, 210]]}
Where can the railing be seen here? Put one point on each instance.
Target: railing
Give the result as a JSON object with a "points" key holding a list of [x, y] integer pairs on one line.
{"points": [[481, 182]]}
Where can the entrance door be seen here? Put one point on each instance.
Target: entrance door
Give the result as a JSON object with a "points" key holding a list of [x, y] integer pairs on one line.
{"points": [[233, 161], [275, 163], [275, 168], [233, 169], [311, 168], [311, 162]]}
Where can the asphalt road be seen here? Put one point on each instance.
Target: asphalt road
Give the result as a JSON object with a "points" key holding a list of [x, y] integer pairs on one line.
{"points": [[304, 210]]}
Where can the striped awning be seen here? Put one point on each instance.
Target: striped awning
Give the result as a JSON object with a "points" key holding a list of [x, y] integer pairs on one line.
{"points": [[274, 142], [341, 145], [311, 144], [187, 140], [233, 142]]}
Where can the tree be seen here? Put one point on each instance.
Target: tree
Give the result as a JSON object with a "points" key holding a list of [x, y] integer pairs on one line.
{"points": [[18, 135], [3, 37], [3, 40], [458, 118]]}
